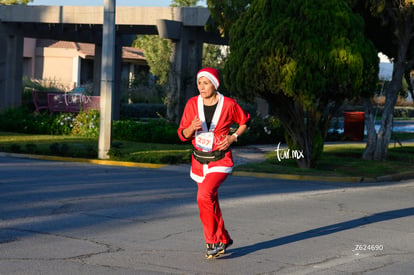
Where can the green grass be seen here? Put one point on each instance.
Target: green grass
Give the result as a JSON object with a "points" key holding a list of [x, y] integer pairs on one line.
{"points": [[402, 136], [341, 159], [72, 146], [152, 152]]}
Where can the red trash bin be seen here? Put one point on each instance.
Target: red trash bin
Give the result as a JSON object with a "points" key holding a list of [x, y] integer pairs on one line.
{"points": [[354, 124]]}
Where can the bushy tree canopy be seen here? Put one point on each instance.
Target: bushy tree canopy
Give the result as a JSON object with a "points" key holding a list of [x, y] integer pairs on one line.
{"points": [[225, 13], [183, 3], [305, 58], [302, 49]]}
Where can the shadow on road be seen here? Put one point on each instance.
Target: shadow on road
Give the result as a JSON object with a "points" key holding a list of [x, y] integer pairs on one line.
{"points": [[53, 197], [321, 231]]}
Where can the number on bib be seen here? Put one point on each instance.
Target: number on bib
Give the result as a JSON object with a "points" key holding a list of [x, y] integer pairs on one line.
{"points": [[204, 140]]}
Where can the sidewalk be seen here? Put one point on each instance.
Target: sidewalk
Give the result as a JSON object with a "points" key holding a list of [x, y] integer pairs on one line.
{"points": [[251, 153]]}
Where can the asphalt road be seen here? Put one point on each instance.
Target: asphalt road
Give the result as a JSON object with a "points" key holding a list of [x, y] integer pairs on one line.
{"points": [[78, 218]]}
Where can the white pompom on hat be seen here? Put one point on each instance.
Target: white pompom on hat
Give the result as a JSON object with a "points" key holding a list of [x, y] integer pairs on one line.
{"points": [[212, 74]]}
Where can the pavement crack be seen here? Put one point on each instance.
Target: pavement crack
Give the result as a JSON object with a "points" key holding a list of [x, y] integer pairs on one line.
{"points": [[171, 235], [107, 248]]}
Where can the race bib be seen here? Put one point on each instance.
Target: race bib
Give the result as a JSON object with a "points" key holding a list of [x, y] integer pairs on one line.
{"points": [[204, 140]]}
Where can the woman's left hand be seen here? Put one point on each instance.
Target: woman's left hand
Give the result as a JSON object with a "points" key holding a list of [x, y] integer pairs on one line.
{"points": [[225, 143]]}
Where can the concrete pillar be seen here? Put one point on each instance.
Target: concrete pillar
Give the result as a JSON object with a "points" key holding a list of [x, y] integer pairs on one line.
{"points": [[185, 63], [175, 94], [193, 65], [107, 79], [116, 100], [15, 54], [97, 62], [11, 71], [97, 68]]}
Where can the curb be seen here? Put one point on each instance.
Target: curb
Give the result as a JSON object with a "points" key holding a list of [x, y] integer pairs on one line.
{"points": [[83, 160], [297, 177], [386, 178], [397, 177]]}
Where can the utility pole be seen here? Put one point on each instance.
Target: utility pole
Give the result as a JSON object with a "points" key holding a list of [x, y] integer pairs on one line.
{"points": [[107, 78]]}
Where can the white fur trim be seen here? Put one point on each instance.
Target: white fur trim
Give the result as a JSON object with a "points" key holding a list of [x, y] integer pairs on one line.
{"points": [[216, 116], [216, 169], [196, 178], [210, 77], [220, 169]]}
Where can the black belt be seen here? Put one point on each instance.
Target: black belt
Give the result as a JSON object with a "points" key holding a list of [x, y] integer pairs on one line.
{"points": [[206, 157]]}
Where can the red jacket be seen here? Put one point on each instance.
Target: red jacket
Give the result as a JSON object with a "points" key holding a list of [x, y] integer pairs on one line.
{"points": [[226, 113]]}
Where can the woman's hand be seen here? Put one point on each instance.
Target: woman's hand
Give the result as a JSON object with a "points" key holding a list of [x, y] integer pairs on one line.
{"points": [[194, 126], [225, 143]]}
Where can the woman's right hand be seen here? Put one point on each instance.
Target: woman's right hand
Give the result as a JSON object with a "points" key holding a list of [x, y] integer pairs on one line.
{"points": [[195, 124]]}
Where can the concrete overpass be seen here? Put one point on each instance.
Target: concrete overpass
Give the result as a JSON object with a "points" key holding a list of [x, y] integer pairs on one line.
{"points": [[184, 26]]}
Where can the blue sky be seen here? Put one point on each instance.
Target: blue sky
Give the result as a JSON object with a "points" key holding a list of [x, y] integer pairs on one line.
{"points": [[138, 3]]}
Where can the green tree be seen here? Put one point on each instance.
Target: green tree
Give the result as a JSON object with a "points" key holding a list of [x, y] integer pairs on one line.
{"points": [[390, 25], [157, 52], [184, 3], [15, 2], [214, 56], [305, 58], [225, 13]]}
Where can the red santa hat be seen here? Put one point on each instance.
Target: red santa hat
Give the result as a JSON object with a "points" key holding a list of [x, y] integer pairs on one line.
{"points": [[212, 74]]}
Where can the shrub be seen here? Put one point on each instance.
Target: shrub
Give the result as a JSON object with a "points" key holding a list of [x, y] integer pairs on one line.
{"points": [[130, 130], [41, 124], [20, 120], [15, 148], [31, 148], [155, 131], [86, 124], [162, 131], [114, 153], [15, 120], [263, 131], [62, 124], [143, 89], [54, 148], [60, 149], [142, 110], [45, 85]]}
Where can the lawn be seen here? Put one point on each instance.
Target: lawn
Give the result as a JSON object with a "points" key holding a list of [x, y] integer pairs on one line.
{"points": [[342, 159], [338, 159], [72, 146]]}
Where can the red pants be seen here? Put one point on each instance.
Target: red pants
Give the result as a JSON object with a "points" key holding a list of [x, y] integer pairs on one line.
{"points": [[210, 213]]}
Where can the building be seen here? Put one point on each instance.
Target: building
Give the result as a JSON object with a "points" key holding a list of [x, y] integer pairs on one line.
{"points": [[184, 26], [71, 64]]}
